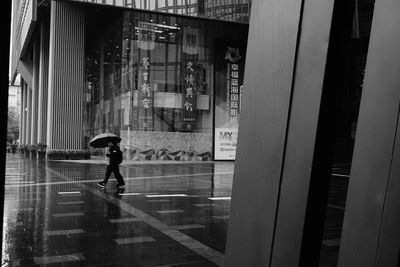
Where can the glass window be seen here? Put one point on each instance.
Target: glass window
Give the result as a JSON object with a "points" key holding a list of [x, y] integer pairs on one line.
{"points": [[153, 73]]}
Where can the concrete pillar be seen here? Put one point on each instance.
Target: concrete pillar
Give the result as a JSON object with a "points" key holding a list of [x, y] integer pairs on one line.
{"points": [[35, 85], [66, 76], [22, 128], [28, 124], [43, 81]]}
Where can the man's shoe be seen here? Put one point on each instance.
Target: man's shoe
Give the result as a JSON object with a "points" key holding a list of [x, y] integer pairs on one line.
{"points": [[120, 185], [101, 184]]}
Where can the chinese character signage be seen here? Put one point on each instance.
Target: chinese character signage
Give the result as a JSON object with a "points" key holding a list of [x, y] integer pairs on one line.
{"points": [[145, 97], [225, 140], [189, 97], [229, 72], [190, 79], [233, 86]]}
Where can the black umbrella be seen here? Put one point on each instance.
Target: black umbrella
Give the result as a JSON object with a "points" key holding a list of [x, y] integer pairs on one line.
{"points": [[102, 140]]}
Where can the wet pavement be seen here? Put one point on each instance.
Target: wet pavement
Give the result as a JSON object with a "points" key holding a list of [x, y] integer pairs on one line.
{"points": [[168, 214], [173, 214]]}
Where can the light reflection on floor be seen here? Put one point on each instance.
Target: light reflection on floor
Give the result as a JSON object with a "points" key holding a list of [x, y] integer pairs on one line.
{"points": [[55, 215], [168, 214]]}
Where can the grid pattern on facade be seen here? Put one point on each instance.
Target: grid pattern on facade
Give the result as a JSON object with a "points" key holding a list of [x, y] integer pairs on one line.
{"points": [[227, 10]]}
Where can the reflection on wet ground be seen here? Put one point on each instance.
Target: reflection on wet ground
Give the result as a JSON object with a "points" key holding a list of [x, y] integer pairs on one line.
{"points": [[56, 215], [168, 214]]}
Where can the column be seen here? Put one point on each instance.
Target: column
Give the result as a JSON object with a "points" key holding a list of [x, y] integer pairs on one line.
{"points": [[43, 81], [66, 76], [21, 108], [23, 113], [35, 93], [284, 84], [371, 229], [28, 115]]}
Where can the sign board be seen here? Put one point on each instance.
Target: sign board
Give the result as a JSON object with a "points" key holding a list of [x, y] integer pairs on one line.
{"points": [[225, 140]]}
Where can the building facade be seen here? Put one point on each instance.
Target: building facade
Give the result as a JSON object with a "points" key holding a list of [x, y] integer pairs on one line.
{"points": [[166, 76]]}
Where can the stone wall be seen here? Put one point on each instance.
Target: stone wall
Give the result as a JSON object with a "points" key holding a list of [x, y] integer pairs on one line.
{"points": [[179, 146]]}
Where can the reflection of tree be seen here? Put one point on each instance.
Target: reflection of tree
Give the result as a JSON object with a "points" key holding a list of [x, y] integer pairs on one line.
{"points": [[12, 125]]}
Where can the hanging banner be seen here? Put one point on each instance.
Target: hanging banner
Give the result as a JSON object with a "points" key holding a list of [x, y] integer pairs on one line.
{"points": [[145, 97], [229, 73], [146, 35], [189, 96], [190, 79]]}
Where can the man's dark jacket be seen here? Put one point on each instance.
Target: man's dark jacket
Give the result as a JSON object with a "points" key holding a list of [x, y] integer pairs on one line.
{"points": [[115, 155]]}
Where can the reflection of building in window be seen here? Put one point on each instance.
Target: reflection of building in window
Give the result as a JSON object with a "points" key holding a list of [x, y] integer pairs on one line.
{"points": [[229, 10], [164, 84]]}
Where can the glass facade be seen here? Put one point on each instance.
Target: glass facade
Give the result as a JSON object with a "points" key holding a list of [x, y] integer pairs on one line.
{"points": [[228, 10], [151, 78]]}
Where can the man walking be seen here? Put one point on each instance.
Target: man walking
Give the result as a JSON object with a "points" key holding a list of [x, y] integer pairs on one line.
{"points": [[115, 158]]}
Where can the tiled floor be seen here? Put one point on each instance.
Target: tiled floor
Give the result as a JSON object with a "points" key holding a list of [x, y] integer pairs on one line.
{"points": [[168, 214], [55, 215]]}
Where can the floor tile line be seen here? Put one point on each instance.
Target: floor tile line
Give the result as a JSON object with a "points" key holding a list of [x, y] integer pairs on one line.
{"points": [[167, 195], [124, 220], [68, 214], [59, 258], [69, 193], [132, 240], [186, 226], [201, 249], [70, 202], [64, 232], [67, 181], [198, 247], [169, 211], [219, 198]]}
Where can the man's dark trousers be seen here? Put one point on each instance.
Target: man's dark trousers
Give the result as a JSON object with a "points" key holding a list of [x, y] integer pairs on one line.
{"points": [[115, 169]]}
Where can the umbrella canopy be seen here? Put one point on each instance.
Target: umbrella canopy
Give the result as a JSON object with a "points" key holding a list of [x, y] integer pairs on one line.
{"points": [[102, 140]]}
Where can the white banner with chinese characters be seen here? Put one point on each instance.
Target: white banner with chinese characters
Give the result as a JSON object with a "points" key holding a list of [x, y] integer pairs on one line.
{"points": [[225, 141], [189, 96], [145, 97], [229, 72]]}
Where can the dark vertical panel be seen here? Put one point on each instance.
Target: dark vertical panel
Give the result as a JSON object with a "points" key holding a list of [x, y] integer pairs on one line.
{"points": [[370, 227], [304, 114], [389, 239], [398, 261], [329, 116], [268, 78]]}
